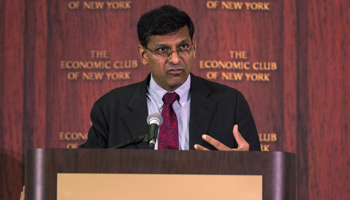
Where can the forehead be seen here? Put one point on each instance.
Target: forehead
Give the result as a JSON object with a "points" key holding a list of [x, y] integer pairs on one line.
{"points": [[170, 39]]}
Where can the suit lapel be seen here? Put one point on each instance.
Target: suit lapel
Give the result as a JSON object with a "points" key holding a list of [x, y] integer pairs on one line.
{"points": [[136, 119], [202, 109]]}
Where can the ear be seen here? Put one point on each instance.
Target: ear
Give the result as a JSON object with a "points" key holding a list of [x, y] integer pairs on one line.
{"points": [[195, 46], [141, 51]]}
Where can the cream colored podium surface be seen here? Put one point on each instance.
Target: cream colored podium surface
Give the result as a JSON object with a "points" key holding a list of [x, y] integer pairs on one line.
{"points": [[90, 186]]}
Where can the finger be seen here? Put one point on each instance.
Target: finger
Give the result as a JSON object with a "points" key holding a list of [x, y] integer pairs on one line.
{"points": [[200, 147], [22, 193], [243, 145], [218, 145]]}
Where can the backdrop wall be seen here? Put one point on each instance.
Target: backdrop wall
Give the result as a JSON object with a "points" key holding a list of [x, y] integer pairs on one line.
{"points": [[287, 57]]}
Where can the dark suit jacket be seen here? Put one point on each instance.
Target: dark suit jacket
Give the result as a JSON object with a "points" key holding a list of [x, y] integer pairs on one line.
{"points": [[121, 114]]}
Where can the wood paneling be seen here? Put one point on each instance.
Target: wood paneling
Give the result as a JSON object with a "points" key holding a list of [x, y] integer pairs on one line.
{"points": [[12, 57], [305, 102], [328, 57], [289, 77], [302, 102]]}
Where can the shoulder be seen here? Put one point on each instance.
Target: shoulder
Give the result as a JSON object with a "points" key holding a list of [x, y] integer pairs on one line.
{"points": [[216, 89], [123, 94]]}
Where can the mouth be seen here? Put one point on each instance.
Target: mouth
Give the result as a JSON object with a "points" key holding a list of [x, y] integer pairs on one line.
{"points": [[175, 71]]}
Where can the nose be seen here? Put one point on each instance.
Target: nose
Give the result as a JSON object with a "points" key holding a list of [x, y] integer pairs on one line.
{"points": [[174, 57]]}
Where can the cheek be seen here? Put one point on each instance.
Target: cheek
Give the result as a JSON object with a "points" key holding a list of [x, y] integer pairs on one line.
{"points": [[156, 68], [189, 65]]}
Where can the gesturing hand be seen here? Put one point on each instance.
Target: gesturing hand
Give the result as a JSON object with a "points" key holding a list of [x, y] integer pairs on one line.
{"points": [[242, 144]]}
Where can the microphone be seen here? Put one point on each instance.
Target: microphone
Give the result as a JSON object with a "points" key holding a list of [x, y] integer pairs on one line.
{"points": [[154, 120]]}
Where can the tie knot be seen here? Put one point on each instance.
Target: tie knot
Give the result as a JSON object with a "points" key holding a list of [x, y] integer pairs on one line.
{"points": [[169, 98]]}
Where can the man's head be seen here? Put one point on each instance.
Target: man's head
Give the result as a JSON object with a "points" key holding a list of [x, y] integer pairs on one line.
{"points": [[163, 20], [167, 45]]}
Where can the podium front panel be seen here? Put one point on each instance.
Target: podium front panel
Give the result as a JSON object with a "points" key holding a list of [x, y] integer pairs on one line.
{"points": [[43, 166]]}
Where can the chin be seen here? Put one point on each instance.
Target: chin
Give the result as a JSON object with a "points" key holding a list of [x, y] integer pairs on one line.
{"points": [[175, 85]]}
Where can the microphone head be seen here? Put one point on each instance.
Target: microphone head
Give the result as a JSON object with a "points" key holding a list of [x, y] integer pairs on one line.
{"points": [[155, 118]]}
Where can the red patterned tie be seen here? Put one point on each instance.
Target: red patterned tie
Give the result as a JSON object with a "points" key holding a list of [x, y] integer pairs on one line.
{"points": [[168, 131]]}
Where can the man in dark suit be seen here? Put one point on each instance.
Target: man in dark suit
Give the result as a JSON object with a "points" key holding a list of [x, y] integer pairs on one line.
{"points": [[209, 115]]}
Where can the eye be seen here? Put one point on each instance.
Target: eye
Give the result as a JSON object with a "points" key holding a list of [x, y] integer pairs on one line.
{"points": [[183, 47], [162, 49]]}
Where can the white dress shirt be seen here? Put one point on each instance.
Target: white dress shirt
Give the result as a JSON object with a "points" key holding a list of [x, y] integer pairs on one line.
{"points": [[181, 107]]}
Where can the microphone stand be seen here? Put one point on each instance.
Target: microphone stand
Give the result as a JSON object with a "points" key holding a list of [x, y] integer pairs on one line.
{"points": [[134, 140]]}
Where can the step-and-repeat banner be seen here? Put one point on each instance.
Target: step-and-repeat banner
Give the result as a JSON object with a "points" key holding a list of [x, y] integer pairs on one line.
{"points": [[60, 56], [91, 49]]}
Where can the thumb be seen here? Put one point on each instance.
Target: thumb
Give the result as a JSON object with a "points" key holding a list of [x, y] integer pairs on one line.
{"points": [[242, 143]]}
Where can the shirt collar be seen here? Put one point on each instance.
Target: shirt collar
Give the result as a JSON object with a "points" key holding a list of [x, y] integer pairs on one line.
{"points": [[158, 92]]}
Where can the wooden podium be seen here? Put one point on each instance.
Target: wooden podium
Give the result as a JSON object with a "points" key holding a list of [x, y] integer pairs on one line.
{"points": [[55, 174]]}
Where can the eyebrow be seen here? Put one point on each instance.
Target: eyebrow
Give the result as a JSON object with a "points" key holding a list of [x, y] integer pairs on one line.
{"points": [[166, 45]]}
